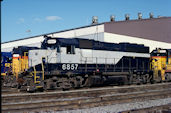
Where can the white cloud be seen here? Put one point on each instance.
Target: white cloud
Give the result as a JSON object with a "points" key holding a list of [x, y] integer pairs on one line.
{"points": [[37, 19], [53, 18], [20, 20]]}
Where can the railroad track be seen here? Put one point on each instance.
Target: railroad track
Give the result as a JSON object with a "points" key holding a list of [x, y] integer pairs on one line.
{"points": [[86, 98], [8, 90], [156, 109]]}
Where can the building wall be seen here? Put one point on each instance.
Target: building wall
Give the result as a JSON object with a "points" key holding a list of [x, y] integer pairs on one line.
{"points": [[36, 41], [116, 38], [9, 49], [80, 32], [92, 32], [96, 36]]}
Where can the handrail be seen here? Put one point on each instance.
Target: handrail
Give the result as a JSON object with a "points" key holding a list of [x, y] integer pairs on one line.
{"points": [[34, 74], [42, 71]]}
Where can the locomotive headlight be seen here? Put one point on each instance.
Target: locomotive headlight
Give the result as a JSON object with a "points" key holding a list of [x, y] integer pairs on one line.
{"points": [[51, 41]]}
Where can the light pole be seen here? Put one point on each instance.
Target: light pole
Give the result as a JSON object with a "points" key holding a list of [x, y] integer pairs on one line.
{"points": [[0, 20]]}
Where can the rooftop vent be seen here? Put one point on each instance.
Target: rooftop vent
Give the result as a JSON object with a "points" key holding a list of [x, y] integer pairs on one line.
{"points": [[151, 15], [139, 16], [94, 20], [126, 16], [112, 18]]}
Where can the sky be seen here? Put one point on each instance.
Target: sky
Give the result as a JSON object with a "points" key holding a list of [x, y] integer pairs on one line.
{"points": [[27, 18]]}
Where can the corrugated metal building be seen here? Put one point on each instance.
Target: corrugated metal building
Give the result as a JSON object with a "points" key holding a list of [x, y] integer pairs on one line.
{"points": [[153, 32]]}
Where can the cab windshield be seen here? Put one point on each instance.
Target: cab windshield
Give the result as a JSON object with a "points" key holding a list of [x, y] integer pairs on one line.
{"points": [[155, 53]]}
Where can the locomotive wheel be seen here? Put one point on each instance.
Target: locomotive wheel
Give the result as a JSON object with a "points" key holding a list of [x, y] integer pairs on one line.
{"points": [[130, 79], [167, 77], [64, 83], [151, 78], [10, 81], [86, 82], [89, 81], [160, 77], [49, 84], [138, 79], [77, 82], [30, 85], [145, 79]]}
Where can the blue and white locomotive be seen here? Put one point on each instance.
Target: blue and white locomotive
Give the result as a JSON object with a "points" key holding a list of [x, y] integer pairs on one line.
{"points": [[72, 62]]}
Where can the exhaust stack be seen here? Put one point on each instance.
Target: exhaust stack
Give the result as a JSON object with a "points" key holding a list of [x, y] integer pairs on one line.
{"points": [[151, 15], [94, 20], [126, 16], [139, 16], [112, 18]]}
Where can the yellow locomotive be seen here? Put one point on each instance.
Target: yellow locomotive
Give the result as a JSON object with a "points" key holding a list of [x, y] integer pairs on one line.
{"points": [[19, 63], [161, 64]]}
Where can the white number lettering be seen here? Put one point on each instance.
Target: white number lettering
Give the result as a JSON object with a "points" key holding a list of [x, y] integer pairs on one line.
{"points": [[63, 66], [76, 66], [72, 67], [69, 66]]}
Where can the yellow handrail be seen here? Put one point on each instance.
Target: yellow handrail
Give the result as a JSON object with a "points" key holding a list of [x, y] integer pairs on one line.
{"points": [[34, 74], [42, 71], [26, 64]]}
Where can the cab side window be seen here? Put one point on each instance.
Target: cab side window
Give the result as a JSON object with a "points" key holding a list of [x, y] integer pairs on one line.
{"points": [[70, 49], [9, 59]]}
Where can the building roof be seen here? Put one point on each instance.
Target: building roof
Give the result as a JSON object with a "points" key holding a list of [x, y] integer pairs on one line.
{"points": [[158, 29]]}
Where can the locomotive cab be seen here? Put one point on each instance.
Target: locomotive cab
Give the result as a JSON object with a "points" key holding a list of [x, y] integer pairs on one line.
{"points": [[160, 64]]}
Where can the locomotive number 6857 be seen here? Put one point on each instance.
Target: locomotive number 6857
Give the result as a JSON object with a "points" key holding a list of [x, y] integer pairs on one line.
{"points": [[69, 66]]}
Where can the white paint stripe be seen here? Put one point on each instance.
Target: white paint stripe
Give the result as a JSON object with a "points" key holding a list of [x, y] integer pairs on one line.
{"points": [[116, 38]]}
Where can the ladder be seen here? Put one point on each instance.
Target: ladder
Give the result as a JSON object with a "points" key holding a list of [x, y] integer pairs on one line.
{"points": [[38, 76]]}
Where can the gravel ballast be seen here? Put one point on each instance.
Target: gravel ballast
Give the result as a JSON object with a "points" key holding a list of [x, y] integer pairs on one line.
{"points": [[118, 107]]}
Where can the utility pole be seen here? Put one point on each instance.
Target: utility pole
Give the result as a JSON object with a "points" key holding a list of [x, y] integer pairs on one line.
{"points": [[0, 20], [0, 31]]}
